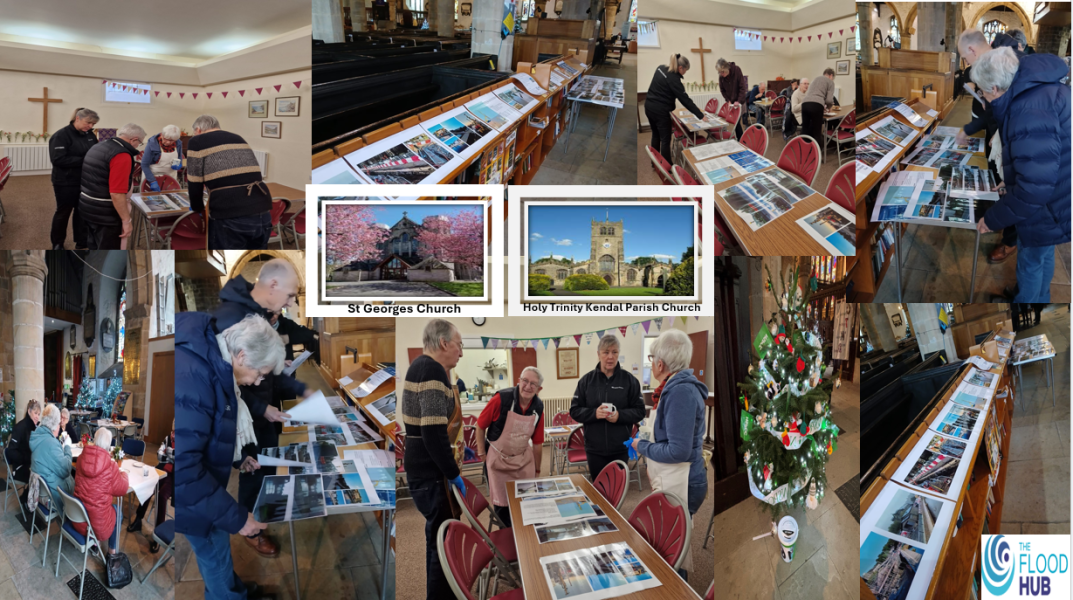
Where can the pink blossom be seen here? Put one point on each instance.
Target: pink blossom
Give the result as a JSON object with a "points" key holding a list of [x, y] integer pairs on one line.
{"points": [[352, 234]]}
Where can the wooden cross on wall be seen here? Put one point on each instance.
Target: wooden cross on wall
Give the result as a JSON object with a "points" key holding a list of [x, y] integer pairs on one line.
{"points": [[44, 105], [702, 51]]}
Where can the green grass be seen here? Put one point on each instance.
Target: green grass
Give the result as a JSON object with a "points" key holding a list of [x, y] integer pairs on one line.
{"points": [[632, 291], [459, 289]]}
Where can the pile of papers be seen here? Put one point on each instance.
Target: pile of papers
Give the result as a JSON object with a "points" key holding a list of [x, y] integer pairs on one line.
{"points": [[920, 197], [874, 152], [763, 197], [605, 571]]}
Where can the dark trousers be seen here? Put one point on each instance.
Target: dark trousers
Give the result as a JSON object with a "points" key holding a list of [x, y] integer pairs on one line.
{"points": [[430, 497], [503, 512], [597, 462], [789, 122], [812, 120], [103, 237], [67, 197], [240, 233], [660, 121], [166, 487], [1009, 236], [739, 129]]}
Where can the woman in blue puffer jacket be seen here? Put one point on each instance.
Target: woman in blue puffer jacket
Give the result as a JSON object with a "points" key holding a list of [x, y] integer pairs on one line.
{"points": [[1031, 106]]}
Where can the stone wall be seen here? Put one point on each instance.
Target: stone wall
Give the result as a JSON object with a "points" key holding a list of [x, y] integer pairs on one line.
{"points": [[202, 295], [7, 332], [431, 275], [1052, 39]]}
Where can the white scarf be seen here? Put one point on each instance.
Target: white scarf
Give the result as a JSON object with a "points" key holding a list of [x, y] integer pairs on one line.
{"points": [[244, 433]]}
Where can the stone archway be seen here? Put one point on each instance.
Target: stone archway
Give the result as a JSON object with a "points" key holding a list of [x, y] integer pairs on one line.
{"points": [[609, 281], [1026, 23]]}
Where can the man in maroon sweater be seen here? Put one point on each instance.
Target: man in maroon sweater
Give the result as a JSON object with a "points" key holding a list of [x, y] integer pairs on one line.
{"points": [[732, 86]]}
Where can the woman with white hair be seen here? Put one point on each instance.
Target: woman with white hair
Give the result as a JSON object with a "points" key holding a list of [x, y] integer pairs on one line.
{"points": [[98, 482], [212, 425], [675, 462], [163, 155], [50, 458]]}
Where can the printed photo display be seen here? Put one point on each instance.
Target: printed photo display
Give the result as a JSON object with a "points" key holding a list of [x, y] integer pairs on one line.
{"points": [[160, 204], [604, 91], [289, 498], [524, 488], [894, 130], [514, 97], [383, 409], [493, 111], [936, 158], [706, 151], [958, 421], [718, 170], [574, 530], [970, 182], [874, 151], [396, 159], [594, 573], [934, 465], [558, 509], [763, 197], [833, 227]]}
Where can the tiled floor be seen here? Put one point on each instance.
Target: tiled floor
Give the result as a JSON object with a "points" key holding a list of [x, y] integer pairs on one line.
{"points": [[1039, 460], [583, 163], [826, 557], [23, 577], [937, 261]]}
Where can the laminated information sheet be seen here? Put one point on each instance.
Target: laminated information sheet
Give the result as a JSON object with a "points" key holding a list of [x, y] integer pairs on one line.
{"points": [[605, 571]]}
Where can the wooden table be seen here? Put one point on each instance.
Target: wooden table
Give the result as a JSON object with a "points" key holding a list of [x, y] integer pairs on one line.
{"points": [[765, 105], [530, 550], [296, 196], [781, 237], [703, 125]]}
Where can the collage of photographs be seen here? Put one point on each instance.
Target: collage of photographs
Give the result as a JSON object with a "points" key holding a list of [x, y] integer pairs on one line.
{"points": [[595, 294]]}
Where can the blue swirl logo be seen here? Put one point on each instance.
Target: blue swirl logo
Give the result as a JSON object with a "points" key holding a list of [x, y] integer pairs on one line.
{"points": [[998, 565]]}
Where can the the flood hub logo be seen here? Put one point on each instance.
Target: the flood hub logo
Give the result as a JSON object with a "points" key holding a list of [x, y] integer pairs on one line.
{"points": [[1025, 566]]}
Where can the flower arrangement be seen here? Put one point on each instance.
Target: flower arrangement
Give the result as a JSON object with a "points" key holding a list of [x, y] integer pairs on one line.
{"points": [[24, 135]]}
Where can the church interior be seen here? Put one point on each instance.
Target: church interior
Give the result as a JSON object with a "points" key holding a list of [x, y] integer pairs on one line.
{"points": [[158, 66]]}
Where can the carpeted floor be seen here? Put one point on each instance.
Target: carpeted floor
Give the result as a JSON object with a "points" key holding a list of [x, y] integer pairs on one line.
{"points": [[410, 540], [28, 206]]}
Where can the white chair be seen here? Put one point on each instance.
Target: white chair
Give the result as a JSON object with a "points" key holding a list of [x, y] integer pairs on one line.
{"points": [[12, 484], [75, 512], [43, 493]]}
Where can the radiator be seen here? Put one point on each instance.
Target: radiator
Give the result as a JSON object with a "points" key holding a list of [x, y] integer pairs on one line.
{"points": [[29, 158], [552, 406], [262, 161]]}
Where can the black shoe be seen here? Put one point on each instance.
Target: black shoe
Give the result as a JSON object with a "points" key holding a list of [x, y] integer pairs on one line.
{"points": [[135, 526], [58, 247], [153, 547]]}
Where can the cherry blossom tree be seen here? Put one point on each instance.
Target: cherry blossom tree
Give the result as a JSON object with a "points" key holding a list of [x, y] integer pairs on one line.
{"points": [[352, 234], [457, 238]]}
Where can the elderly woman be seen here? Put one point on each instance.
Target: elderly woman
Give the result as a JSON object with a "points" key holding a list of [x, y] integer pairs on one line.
{"points": [[67, 427], [18, 445], [98, 481], [1031, 107], [212, 426], [67, 148], [608, 403], [50, 458], [163, 155]]}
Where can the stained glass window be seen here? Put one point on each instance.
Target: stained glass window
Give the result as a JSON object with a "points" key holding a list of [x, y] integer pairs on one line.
{"points": [[894, 31], [121, 322], [993, 28]]}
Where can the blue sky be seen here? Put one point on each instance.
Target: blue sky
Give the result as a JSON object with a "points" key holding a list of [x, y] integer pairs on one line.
{"points": [[564, 231], [391, 214]]}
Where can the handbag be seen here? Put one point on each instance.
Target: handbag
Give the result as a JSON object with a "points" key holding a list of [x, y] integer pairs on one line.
{"points": [[119, 571]]}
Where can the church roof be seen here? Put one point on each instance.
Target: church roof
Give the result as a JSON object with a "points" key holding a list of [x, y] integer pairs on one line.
{"points": [[433, 263], [388, 259]]}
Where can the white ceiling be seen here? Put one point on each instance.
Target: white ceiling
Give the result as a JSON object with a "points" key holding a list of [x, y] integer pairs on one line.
{"points": [[178, 30], [780, 5]]}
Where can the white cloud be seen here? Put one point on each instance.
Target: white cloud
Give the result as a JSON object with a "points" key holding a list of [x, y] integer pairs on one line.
{"points": [[566, 242], [558, 256], [626, 231], [662, 256], [535, 236], [631, 258]]}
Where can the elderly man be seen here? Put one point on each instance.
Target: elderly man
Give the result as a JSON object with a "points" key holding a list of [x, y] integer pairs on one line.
{"points": [[793, 116], [820, 95], [222, 169], [275, 290], [608, 403], [163, 156], [757, 93], [519, 413], [1031, 106], [49, 457], [211, 428], [107, 172], [432, 417]]}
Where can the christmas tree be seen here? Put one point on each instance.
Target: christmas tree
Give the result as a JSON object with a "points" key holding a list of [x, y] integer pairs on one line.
{"points": [[7, 415], [86, 398], [786, 424], [115, 385]]}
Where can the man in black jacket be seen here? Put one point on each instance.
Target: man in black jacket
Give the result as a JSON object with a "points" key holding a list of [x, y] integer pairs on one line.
{"points": [[107, 172], [607, 429], [67, 149], [666, 87], [18, 445], [276, 289]]}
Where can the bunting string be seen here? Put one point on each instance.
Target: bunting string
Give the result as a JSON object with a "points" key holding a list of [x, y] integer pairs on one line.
{"points": [[754, 35], [254, 92]]}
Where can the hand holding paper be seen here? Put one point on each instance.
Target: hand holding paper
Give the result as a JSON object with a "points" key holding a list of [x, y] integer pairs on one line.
{"points": [[314, 410]]}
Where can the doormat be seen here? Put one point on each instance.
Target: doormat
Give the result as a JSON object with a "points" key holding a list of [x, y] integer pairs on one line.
{"points": [[850, 495], [93, 590], [41, 524]]}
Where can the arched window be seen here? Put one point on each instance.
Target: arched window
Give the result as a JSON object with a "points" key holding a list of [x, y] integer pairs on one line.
{"points": [[581, 271], [541, 272], [560, 274], [993, 28], [607, 263], [631, 275], [894, 34], [610, 231]]}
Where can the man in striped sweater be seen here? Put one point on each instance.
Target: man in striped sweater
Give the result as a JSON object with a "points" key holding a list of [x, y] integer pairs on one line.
{"points": [[221, 167], [428, 403]]}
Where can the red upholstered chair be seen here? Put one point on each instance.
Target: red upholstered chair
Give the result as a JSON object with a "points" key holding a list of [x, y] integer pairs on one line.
{"points": [[575, 450], [465, 559], [680, 140], [501, 540], [298, 229], [843, 134], [279, 208], [167, 183], [719, 248], [681, 177], [842, 187], [663, 520], [660, 164], [777, 112], [612, 482], [724, 111], [710, 594], [732, 116], [469, 420], [770, 94], [475, 464], [755, 139], [560, 419], [400, 466], [712, 106], [187, 233], [801, 157]]}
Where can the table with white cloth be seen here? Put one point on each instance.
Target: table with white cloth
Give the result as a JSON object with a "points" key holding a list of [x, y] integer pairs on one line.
{"points": [[144, 487]]}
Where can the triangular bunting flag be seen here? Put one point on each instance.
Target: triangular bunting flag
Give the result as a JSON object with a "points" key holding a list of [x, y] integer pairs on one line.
{"points": [[242, 93], [224, 93], [514, 343], [600, 334], [659, 324], [622, 330], [156, 93], [278, 86], [840, 31], [495, 344], [259, 91], [810, 38], [646, 325], [484, 342], [852, 28], [195, 95], [635, 328], [798, 39], [829, 34], [781, 39], [104, 81], [209, 94], [683, 320], [298, 84], [577, 339], [765, 38], [696, 317], [182, 95], [124, 88], [545, 342], [557, 341], [169, 94]]}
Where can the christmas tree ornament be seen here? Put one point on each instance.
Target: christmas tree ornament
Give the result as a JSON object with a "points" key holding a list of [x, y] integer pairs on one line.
{"points": [[819, 407], [785, 438], [812, 502], [787, 534], [747, 456], [838, 382], [772, 328], [800, 365]]}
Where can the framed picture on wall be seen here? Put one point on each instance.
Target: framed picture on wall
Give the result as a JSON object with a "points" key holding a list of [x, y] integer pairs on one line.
{"points": [[271, 129], [834, 50], [67, 366], [258, 109], [842, 67], [566, 365], [287, 107], [851, 46]]}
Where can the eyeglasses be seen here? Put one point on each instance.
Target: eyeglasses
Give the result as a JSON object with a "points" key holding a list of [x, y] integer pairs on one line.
{"points": [[528, 383]]}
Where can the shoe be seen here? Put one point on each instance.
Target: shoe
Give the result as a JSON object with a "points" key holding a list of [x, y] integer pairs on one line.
{"points": [[1009, 293], [1001, 253], [154, 547], [263, 546], [135, 526], [58, 247]]}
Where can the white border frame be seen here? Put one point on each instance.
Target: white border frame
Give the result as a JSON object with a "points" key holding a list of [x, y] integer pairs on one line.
{"points": [[493, 263], [705, 193], [957, 481], [612, 299]]}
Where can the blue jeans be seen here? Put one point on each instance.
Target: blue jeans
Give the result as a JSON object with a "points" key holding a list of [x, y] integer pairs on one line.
{"points": [[214, 561], [240, 233], [1035, 270]]}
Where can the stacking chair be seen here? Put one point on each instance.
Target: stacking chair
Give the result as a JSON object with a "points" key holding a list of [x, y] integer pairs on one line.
{"points": [[843, 134], [46, 509], [465, 559], [777, 112], [719, 248], [842, 187], [133, 447], [140, 427], [475, 464], [130, 432], [612, 482], [279, 208], [710, 594], [469, 420], [663, 521], [681, 177], [75, 512], [164, 535], [801, 157], [298, 229], [187, 233], [755, 139], [400, 470], [560, 419], [84, 429], [712, 106], [500, 541], [660, 164], [634, 466], [679, 141], [12, 484], [167, 183], [770, 94], [731, 116], [575, 451]]}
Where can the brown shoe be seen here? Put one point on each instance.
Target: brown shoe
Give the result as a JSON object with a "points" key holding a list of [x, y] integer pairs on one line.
{"points": [[263, 546], [1001, 253]]}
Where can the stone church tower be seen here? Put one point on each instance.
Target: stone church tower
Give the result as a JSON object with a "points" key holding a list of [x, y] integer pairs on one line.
{"points": [[607, 254]]}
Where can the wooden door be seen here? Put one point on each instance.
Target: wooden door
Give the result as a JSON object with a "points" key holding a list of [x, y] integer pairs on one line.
{"points": [[413, 353], [162, 397], [699, 362], [520, 358]]}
